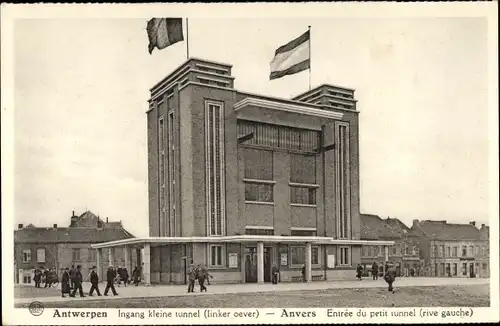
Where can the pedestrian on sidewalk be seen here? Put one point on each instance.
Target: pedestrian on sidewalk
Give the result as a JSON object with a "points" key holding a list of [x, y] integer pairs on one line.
{"points": [[65, 287], [275, 272], [191, 277], [94, 280], [110, 277], [136, 274], [359, 271], [72, 274], [202, 276], [390, 276], [38, 277], [375, 271], [78, 282], [304, 273]]}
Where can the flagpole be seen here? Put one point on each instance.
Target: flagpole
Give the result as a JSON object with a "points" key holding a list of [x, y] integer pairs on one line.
{"points": [[187, 38], [309, 57]]}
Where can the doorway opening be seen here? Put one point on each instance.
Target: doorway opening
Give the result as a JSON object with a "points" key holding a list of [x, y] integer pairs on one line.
{"points": [[251, 264]]}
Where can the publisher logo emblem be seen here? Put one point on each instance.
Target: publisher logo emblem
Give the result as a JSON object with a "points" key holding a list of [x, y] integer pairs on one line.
{"points": [[36, 308]]}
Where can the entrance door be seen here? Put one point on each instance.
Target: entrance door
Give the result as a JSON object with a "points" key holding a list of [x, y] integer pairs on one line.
{"points": [[251, 264], [471, 270]]}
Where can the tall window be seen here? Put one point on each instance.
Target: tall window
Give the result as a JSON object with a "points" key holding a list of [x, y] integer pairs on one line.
{"points": [[441, 251], [171, 174], [344, 256], [454, 252], [26, 255], [455, 269], [216, 256], [161, 173], [258, 175], [343, 179], [314, 255], [447, 251], [471, 251], [434, 250], [40, 255], [76, 254], [297, 255], [464, 251], [92, 254], [464, 269], [214, 155], [478, 251], [303, 179]]}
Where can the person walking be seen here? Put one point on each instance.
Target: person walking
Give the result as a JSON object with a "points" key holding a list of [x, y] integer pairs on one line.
{"points": [[275, 272], [72, 273], [94, 280], [65, 287], [38, 277], [359, 271], [46, 277], [375, 271], [125, 276], [136, 274], [110, 278], [390, 276], [191, 277], [202, 276], [77, 282]]}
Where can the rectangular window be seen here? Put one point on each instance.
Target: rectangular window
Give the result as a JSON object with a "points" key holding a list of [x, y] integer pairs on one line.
{"points": [[92, 254], [26, 255], [76, 254], [447, 251], [344, 256], [297, 255], [303, 233], [303, 179], [40, 255], [171, 175], [216, 256], [303, 195], [434, 250], [251, 231], [394, 250], [478, 251], [258, 175], [407, 250], [471, 251], [441, 251], [464, 251], [274, 136], [343, 180], [314, 255], [455, 269], [454, 252], [161, 172], [214, 155]]}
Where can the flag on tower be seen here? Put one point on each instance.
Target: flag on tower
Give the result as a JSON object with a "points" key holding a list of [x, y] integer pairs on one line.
{"points": [[163, 32], [291, 58]]}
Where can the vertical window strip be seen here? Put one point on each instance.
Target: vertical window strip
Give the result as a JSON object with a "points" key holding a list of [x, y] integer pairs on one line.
{"points": [[161, 172], [343, 180], [171, 174]]}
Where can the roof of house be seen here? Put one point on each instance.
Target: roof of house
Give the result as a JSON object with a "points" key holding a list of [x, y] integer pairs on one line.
{"points": [[373, 227], [441, 230], [70, 235]]}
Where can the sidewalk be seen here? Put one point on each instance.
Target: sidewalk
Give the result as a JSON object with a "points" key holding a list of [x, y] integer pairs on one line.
{"points": [[181, 290]]}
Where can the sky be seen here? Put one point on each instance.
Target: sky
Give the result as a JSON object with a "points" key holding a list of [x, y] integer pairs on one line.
{"points": [[82, 85]]}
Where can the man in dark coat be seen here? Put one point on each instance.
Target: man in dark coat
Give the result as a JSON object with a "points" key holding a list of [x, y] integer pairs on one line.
{"points": [[72, 275], [359, 271], [46, 276], [65, 288], [192, 276], [78, 282], [110, 278], [304, 273], [375, 271], [136, 274], [124, 276], [94, 280], [202, 276], [390, 276], [275, 272], [38, 277]]}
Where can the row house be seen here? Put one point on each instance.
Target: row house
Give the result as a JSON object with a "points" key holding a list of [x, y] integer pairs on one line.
{"points": [[404, 253], [453, 250], [60, 247]]}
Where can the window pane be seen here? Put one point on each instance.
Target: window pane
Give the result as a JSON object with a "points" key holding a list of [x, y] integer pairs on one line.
{"points": [[303, 195], [303, 168], [214, 256], [219, 256], [314, 256], [259, 192], [298, 255], [258, 164], [303, 233]]}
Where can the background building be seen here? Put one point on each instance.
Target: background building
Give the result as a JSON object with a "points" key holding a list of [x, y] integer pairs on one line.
{"points": [[60, 247], [404, 253], [241, 182], [453, 250]]}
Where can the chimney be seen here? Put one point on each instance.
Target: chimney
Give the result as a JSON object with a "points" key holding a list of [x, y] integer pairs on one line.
{"points": [[20, 226], [415, 222], [483, 226], [55, 226], [73, 213], [106, 220], [473, 223]]}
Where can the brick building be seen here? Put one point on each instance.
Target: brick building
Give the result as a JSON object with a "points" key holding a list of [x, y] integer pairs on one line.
{"points": [[241, 182], [60, 247], [453, 250], [404, 253]]}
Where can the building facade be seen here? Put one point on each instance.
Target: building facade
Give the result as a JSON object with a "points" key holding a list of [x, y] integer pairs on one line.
{"points": [[240, 182], [61, 247], [404, 254], [452, 250]]}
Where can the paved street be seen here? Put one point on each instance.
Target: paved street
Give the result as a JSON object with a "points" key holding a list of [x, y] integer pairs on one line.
{"points": [[462, 287]]}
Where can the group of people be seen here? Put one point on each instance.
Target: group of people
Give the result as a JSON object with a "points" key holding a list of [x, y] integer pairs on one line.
{"points": [[71, 280], [199, 273], [389, 275], [41, 275]]}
